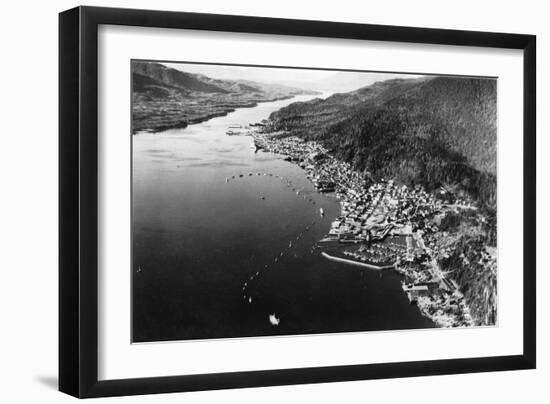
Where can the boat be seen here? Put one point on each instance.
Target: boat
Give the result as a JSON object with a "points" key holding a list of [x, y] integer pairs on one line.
{"points": [[321, 211], [274, 320]]}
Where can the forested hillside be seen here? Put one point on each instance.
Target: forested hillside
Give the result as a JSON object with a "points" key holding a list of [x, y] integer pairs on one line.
{"points": [[164, 98], [431, 131]]}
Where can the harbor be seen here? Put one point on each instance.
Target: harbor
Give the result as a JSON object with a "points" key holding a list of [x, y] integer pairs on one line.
{"points": [[381, 225]]}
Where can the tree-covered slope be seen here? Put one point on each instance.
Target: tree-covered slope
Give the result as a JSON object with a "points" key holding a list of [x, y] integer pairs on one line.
{"points": [[168, 77], [164, 97], [431, 131]]}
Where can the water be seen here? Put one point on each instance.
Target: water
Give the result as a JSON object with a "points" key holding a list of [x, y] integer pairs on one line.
{"points": [[198, 239]]}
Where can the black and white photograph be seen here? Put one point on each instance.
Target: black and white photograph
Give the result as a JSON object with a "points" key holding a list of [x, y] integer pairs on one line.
{"points": [[278, 202], [272, 201]]}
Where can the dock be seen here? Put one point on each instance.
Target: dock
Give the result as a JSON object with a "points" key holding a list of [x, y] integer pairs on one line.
{"points": [[356, 263]]}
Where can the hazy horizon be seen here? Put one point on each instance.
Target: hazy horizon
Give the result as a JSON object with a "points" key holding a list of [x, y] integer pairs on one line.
{"points": [[335, 80]]}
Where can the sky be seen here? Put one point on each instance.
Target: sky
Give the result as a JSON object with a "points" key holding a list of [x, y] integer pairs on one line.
{"points": [[313, 79]]}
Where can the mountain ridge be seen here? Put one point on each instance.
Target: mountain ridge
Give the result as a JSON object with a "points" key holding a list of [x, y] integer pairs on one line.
{"points": [[432, 131], [165, 98]]}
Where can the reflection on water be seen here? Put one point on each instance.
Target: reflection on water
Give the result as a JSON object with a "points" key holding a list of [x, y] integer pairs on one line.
{"points": [[201, 231]]}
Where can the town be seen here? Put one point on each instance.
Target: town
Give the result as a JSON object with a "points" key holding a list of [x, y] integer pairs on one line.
{"points": [[382, 225]]}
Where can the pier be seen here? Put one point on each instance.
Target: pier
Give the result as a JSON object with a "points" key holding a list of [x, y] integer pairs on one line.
{"points": [[357, 263]]}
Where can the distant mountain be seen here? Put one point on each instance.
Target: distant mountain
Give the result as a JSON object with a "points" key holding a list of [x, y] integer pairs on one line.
{"points": [[165, 76], [348, 81], [432, 131], [164, 97]]}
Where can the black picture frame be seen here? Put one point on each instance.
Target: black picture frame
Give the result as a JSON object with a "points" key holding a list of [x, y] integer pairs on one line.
{"points": [[78, 201]]}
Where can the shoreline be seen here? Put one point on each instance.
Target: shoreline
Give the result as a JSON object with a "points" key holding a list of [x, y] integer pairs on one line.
{"points": [[182, 124], [436, 297]]}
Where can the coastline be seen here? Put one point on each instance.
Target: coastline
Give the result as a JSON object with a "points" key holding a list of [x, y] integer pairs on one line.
{"points": [[425, 284], [183, 123]]}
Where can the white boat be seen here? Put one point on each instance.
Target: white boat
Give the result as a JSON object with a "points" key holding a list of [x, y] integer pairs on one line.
{"points": [[274, 320], [321, 211]]}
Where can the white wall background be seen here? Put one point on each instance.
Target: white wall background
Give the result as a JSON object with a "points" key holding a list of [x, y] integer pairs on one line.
{"points": [[28, 202]]}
